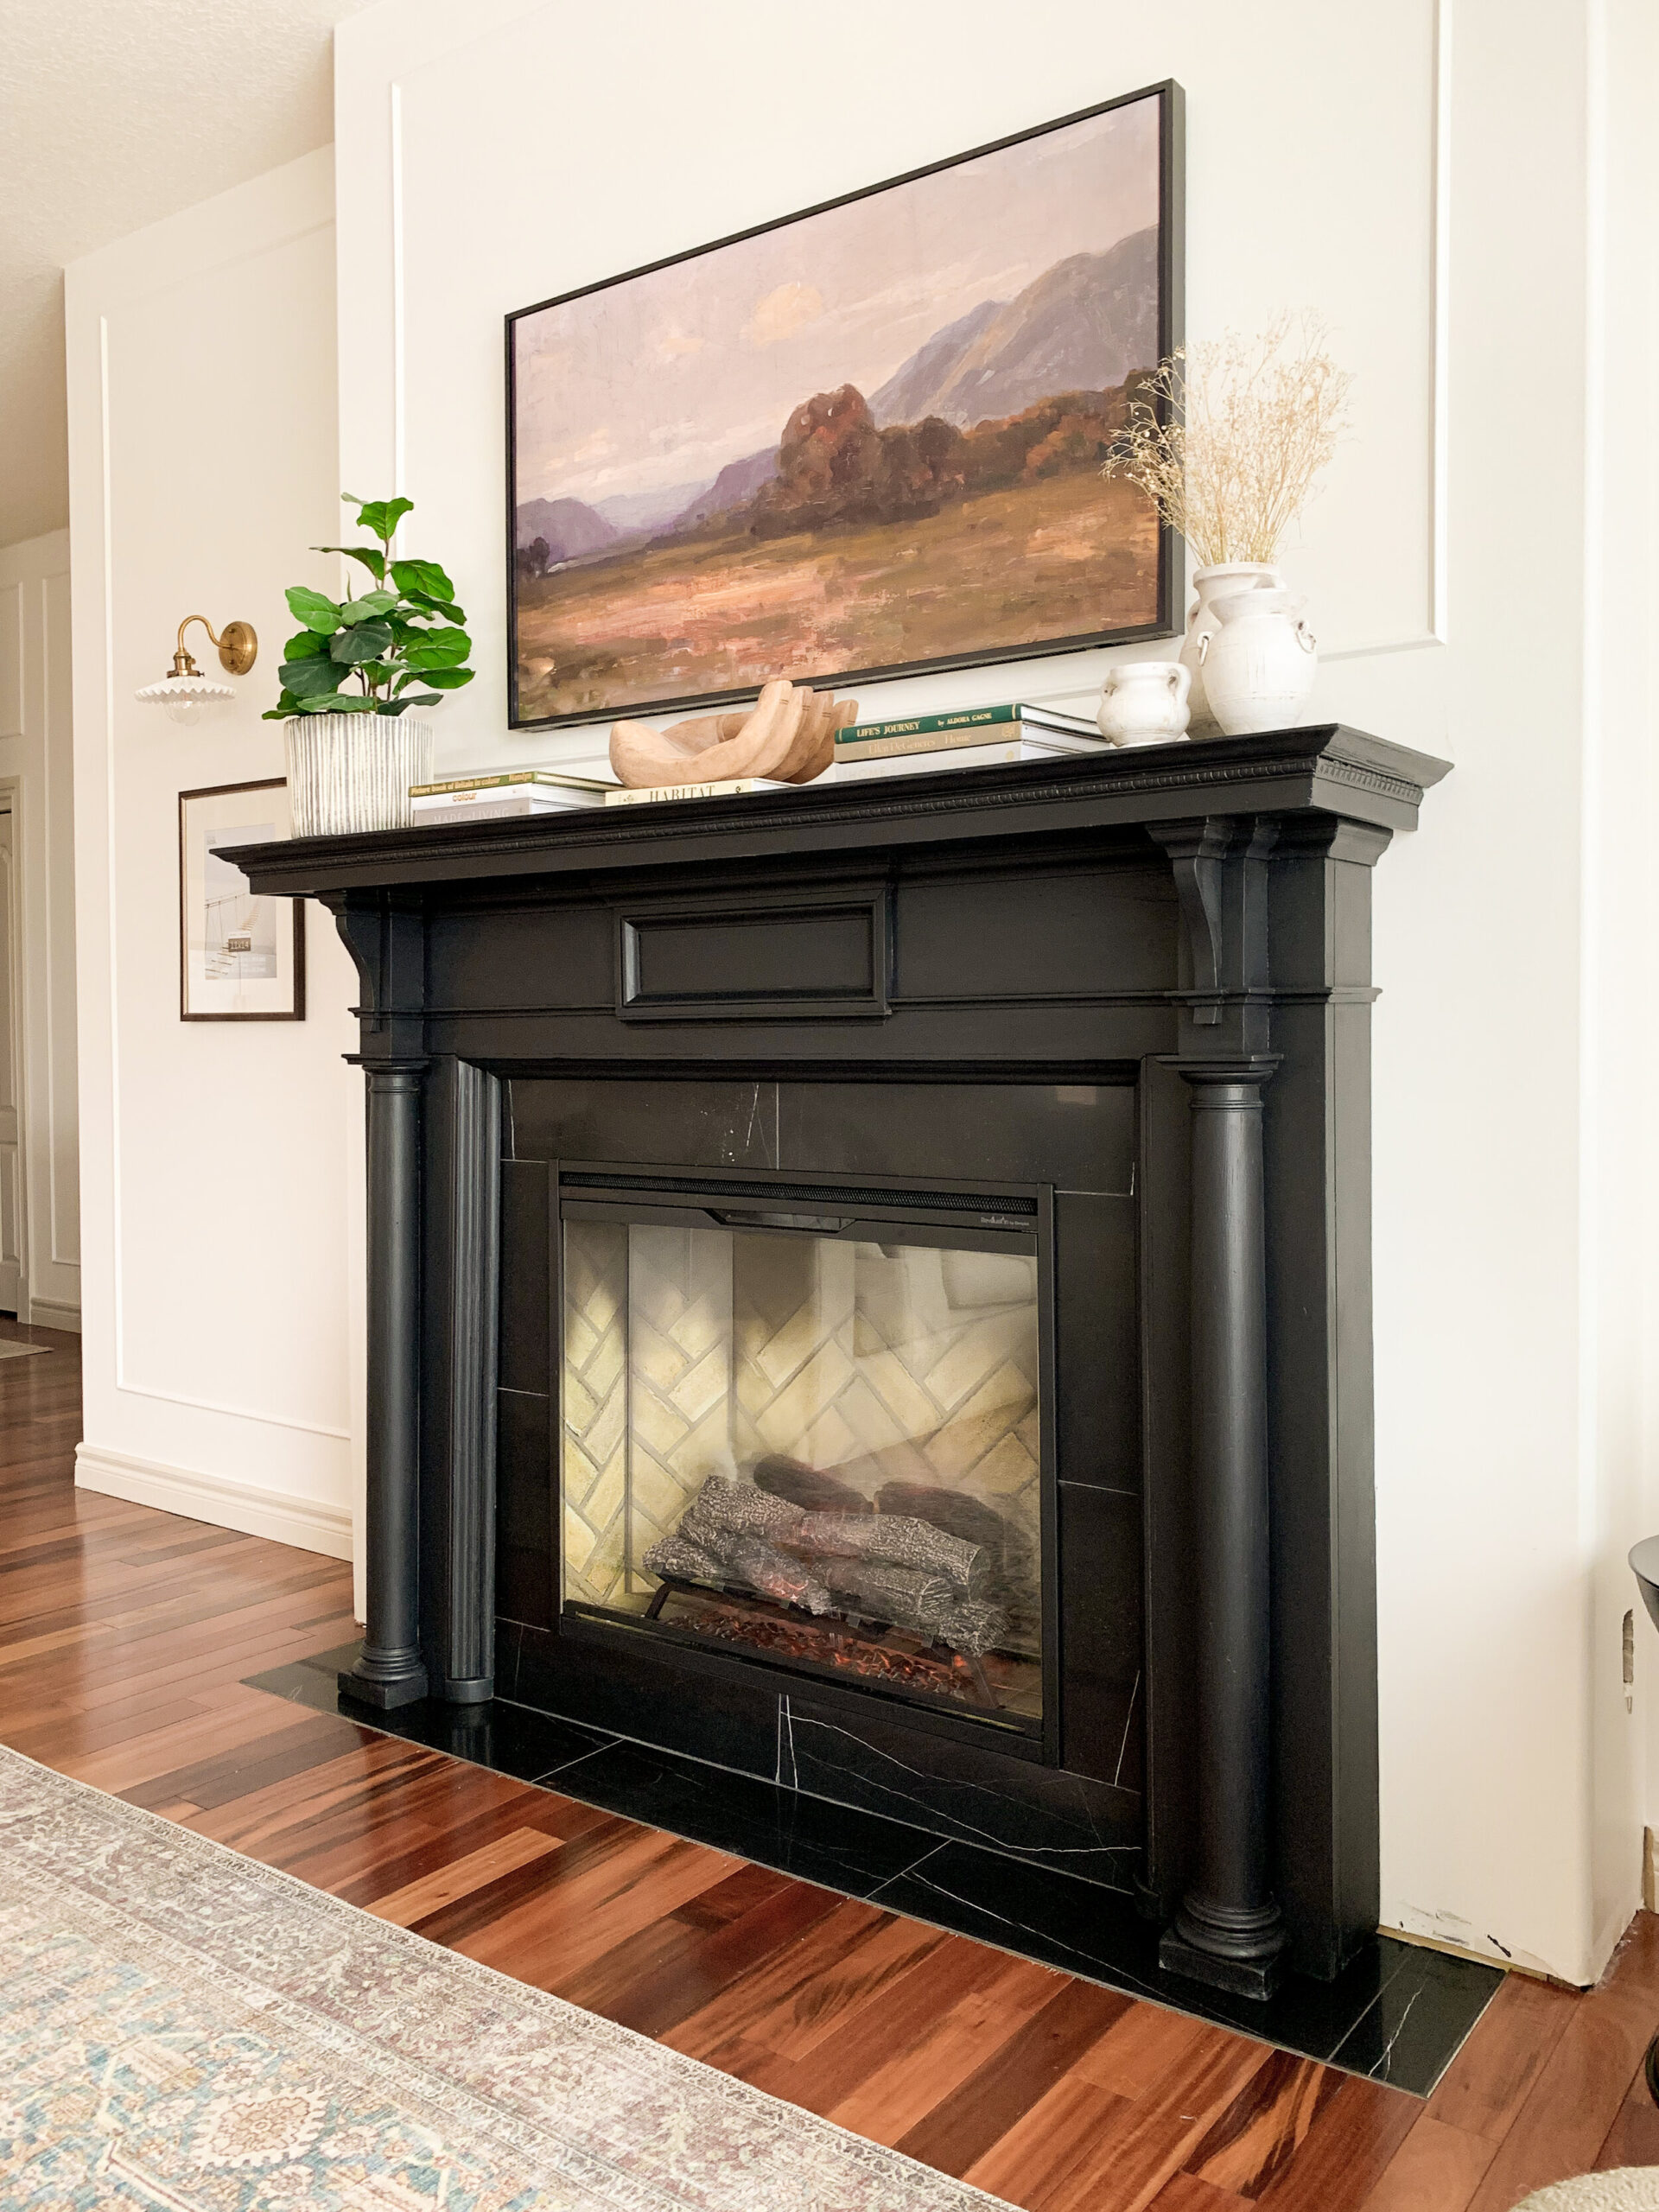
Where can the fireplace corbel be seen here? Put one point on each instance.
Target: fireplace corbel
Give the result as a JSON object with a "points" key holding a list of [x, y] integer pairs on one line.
{"points": [[1183, 930]]}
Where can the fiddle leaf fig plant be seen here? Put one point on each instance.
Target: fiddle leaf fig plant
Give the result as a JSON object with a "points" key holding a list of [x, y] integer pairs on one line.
{"points": [[406, 630]]}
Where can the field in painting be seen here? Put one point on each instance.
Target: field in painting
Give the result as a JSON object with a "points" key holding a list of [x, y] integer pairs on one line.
{"points": [[1066, 557]]}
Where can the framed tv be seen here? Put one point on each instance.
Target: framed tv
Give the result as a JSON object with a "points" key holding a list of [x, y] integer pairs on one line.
{"points": [[857, 442]]}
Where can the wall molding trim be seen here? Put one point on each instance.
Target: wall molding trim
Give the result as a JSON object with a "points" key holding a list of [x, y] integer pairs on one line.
{"points": [[307, 1523], [53, 1313]]}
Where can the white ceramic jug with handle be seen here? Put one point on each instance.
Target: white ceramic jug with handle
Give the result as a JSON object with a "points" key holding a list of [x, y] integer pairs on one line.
{"points": [[1144, 703], [1259, 659], [1212, 584]]}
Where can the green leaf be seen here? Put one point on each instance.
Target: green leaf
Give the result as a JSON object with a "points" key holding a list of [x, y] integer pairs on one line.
{"points": [[371, 555], [310, 607], [338, 702], [442, 679], [382, 515], [413, 699], [372, 602], [363, 641], [305, 644], [442, 649], [286, 705], [306, 679], [414, 576], [447, 607]]}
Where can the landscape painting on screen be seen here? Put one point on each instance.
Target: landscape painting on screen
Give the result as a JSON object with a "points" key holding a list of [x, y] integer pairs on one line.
{"points": [[866, 440]]}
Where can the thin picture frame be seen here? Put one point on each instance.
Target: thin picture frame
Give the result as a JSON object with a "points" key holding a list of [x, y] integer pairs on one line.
{"points": [[1171, 266], [234, 944]]}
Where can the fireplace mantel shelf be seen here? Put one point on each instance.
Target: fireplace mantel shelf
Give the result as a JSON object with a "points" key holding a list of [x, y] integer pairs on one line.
{"points": [[1328, 769], [1137, 982]]}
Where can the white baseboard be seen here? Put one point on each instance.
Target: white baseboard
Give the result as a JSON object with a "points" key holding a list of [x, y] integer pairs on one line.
{"points": [[303, 1523], [51, 1314]]}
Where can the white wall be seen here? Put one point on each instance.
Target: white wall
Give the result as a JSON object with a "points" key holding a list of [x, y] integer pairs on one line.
{"points": [[218, 1159], [1470, 207], [36, 768]]}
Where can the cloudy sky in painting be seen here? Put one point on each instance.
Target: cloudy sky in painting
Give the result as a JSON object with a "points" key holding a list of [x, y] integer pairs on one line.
{"points": [[664, 379]]}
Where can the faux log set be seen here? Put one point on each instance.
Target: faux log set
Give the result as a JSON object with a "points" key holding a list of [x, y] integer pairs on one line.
{"points": [[893, 1568]]}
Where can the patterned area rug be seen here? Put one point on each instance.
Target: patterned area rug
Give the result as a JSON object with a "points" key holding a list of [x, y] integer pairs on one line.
{"points": [[184, 2029]]}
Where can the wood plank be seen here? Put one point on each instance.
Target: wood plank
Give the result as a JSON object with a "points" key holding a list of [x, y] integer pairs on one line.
{"points": [[965, 2125], [910, 2077], [654, 1979], [1347, 2150], [1633, 2139], [892, 2023], [1146, 2139], [1490, 2078], [459, 1877], [1183, 2193], [1261, 2131], [1436, 2169], [1561, 2128]]}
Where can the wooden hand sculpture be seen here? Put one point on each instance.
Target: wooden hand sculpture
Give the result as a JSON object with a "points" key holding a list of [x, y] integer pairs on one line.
{"points": [[788, 736]]}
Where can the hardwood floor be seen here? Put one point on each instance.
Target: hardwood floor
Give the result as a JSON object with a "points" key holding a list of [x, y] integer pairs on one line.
{"points": [[125, 1637]]}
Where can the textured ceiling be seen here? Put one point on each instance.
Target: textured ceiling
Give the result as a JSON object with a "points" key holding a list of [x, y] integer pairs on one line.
{"points": [[117, 112]]}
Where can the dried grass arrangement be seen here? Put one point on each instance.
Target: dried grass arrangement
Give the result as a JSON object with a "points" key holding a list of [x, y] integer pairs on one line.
{"points": [[1227, 437]]}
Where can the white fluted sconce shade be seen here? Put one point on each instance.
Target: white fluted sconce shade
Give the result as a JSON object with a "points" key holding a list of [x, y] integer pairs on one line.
{"points": [[186, 698]]}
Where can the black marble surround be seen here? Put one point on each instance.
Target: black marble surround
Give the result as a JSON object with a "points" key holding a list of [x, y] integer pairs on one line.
{"points": [[1184, 928], [1395, 2014]]}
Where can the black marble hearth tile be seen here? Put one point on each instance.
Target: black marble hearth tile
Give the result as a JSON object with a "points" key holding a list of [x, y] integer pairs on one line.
{"points": [[642, 1696], [834, 1846], [1082, 1929], [526, 1334], [1056, 1820], [509, 1643], [1424, 2010], [1396, 2013], [1102, 1638], [509, 1739]]}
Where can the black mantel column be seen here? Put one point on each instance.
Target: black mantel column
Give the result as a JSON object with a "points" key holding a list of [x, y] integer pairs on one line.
{"points": [[390, 1671], [1230, 1931]]}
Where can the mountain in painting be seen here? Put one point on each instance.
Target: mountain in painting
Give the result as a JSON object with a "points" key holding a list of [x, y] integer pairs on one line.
{"points": [[1084, 325], [633, 512], [908, 393], [569, 527], [738, 481]]}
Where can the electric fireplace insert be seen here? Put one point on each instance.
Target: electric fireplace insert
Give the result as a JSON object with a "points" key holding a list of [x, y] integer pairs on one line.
{"points": [[807, 1422]]}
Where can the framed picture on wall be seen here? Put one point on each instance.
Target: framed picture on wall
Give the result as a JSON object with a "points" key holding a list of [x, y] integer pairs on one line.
{"points": [[241, 958], [863, 441]]}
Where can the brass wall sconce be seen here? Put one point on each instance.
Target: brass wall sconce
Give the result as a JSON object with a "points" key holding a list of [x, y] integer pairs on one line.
{"points": [[184, 691]]}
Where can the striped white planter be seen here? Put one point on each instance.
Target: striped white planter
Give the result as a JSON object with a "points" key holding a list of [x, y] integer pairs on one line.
{"points": [[352, 771]]}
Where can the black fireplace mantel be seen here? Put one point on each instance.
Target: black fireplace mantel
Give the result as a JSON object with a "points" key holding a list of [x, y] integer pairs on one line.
{"points": [[1189, 924]]}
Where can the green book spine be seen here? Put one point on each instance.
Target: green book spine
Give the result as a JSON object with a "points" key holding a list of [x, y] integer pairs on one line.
{"points": [[926, 725]]}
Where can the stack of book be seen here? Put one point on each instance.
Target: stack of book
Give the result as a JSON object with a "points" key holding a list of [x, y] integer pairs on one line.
{"points": [[972, 737], [505, 793]]}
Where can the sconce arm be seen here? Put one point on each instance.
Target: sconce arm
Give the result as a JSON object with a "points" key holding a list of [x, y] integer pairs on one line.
{"points": [[238, 647]]}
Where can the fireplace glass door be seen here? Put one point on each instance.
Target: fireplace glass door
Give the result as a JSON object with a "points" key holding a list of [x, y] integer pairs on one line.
{"points": [[804, 1424]]}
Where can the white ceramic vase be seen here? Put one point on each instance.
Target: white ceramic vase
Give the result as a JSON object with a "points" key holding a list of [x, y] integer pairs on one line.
{"points": [[1212, 584], [1144, 703], [349, 772], [1259, 660]]}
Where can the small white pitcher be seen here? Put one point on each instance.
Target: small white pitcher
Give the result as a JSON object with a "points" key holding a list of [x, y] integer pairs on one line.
{"points": [[1144, 703], [1259, 659]]}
